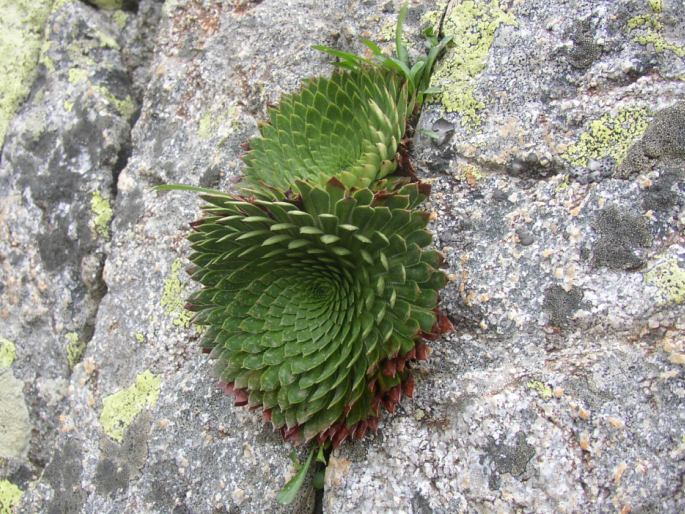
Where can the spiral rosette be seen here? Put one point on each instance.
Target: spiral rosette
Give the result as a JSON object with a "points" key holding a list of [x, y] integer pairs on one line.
{"points": [[315, 307], [348, 126]]}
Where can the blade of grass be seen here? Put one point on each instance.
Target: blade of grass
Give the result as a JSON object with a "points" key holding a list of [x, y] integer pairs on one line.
{"points": [[193, 189], [401, 50], [372, 46], [290, 490]]}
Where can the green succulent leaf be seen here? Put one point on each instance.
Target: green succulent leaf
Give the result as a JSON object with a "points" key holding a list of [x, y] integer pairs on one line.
{"points": [[305, 301], [348, 126]]}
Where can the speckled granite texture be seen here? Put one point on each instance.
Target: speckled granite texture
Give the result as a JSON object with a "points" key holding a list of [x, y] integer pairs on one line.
{"points": [[558, 168]]}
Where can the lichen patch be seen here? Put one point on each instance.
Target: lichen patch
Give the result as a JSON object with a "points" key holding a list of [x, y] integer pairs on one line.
{"points": [[609, 136], [173, 297], [102, 214], [8, 352], [120, 409], [472, 24], [21, 38], [10, 496], [669, 277]]}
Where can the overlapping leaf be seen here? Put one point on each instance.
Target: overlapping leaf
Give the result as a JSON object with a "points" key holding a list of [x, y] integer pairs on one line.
{"points": [[348, 126], [313, 306]]}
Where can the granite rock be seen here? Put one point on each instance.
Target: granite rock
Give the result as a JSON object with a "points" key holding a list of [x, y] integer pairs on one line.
{"points": [[555, 157]]}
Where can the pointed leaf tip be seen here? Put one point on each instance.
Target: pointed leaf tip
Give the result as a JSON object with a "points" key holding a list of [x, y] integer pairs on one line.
{"points": [[289, 492]]}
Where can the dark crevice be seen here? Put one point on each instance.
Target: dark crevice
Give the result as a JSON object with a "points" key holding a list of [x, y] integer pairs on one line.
{"points": [[319, 474], [100, 289]]}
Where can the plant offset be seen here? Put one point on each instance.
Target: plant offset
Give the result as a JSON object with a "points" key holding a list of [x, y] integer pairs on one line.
{"points": [[318, 283]]}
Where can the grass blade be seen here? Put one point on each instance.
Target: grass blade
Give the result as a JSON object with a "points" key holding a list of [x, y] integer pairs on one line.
{"points": [[290, 490]]}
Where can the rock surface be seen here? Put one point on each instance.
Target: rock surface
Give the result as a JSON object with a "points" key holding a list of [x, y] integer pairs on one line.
{"points": [[557, 167]]}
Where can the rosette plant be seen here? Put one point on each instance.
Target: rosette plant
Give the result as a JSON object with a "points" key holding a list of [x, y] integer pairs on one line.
{"points": [[313, 306], [318, 283], [348, 126]]}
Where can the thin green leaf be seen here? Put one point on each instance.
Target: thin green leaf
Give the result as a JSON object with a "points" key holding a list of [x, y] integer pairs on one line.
{"points": [[345, 56], [320, 457], [416, 69], [289, 492], [295, 459], [402, 53], [430, 35], [406, 72], [372, 46], [184, 187]]}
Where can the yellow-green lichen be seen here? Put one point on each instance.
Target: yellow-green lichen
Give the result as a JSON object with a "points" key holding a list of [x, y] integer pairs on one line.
{"points": [[656, 5], [472, 24], [77, 75], [102, 213], [68, 105], [670, 279], [609, 136], [126, 107], [564, 184], [543, 390], [469, 173], [8, 352], [173, 297], [219, 123], [119, 409], [140, 337], [75, 348], [10, 496], [432, 18], [120, 18], [21, 37], [107, 41], [646, 30], [387, 32], [109, 4]]}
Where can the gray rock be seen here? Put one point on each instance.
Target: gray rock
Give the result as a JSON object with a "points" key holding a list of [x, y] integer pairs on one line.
{"points": [[548, 397], [558, 189], [58, 171]]}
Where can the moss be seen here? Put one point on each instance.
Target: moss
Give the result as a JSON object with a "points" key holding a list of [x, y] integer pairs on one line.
{"points": [[173, 297], [21, 38], [75, 349], [102, 214], [543, 390], [8, 352], [10, 496], [472, 24], [646, 30], [670, 279], [120, 409], [77, 75], [609, 136], [120, 18]]}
